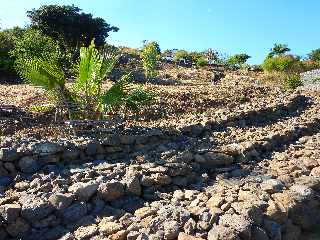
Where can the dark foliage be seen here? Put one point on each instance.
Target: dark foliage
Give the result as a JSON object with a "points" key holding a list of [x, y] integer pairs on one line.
{"points": [[70, 26]]}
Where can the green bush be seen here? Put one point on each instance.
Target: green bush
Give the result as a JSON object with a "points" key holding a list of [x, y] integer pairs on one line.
{"points": [[150, 54], [235, 61], [181, 54], [201, 62], [281, 63], [34, 45], [7, 44], [292, 81], [315, 55]]}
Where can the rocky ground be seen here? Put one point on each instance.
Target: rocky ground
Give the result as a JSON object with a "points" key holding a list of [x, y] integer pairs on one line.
{"points": [[243, 163]]}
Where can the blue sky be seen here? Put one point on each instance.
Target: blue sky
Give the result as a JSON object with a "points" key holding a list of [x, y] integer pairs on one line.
{"points": [[230, 26]]}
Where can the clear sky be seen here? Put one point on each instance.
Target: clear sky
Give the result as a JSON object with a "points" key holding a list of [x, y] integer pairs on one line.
{"points": [[230, 26]]}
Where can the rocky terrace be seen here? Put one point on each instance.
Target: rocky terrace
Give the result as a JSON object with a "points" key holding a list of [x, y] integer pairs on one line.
{"points": [[232, 171]]}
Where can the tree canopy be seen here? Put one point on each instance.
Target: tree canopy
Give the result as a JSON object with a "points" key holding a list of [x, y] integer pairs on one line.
{"points": [[279, 49], [70, 26], [238, 59], [315, 55]]}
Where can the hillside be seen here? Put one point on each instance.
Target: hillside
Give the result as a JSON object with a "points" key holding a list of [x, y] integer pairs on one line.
{"points": [[230, 159]]}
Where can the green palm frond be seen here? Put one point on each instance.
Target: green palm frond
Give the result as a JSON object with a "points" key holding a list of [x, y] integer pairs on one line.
{"points": [[108, 65], [93, 69], [89, 68], [42, 73], [137, 98], [124, 93], [116, 95]]}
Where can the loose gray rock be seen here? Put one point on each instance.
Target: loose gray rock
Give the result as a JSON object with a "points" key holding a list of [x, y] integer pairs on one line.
{"points": [[171, 230], [46, 148], [73, 213], [272, 185], [84, 191], [8, 154], [219, 232], [216, 159], [111, 191], [28, 164], [190, 227], [133, 185], [35, 208], [61, 200]]}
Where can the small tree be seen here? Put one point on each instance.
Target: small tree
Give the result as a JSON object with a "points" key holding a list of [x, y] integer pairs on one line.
{"points": [[68, 25], [278, 49], [315, 55], [150, 54], [238, 59], [181, 54], [201, 62]]}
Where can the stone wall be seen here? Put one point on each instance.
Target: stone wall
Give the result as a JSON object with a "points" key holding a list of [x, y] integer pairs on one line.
{"points": [[29, 156], [117, 186]]}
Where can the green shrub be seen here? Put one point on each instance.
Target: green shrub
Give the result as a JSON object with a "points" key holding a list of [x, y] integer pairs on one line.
{"points": [[292, 81], [34, 45], [150, 54], [201, 62], [282, 79], [315, 55], [195, 56], [7, 44], [235, 61], [281, 63], [181, 54]]}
